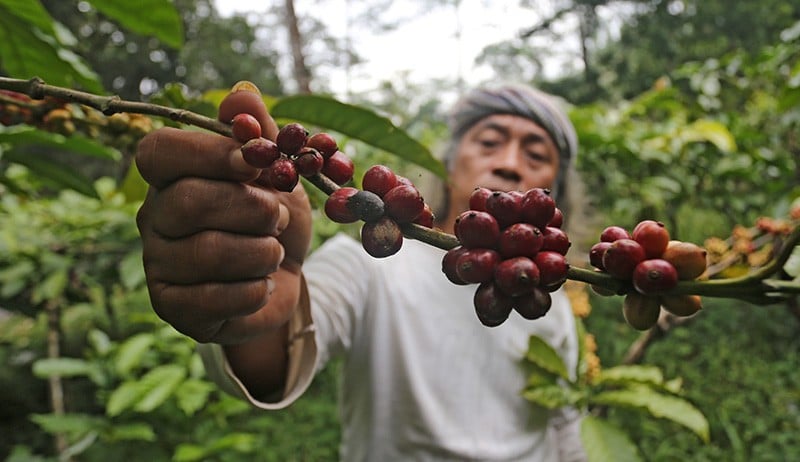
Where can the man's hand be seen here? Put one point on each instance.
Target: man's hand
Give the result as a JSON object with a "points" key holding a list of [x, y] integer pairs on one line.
{"points": [[222, 255]]}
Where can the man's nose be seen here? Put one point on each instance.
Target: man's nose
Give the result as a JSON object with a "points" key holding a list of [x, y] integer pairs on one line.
{"points": [[509, 159]]}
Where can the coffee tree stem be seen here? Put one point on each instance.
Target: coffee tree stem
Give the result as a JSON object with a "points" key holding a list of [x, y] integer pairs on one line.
{"points": [[756, 286]]}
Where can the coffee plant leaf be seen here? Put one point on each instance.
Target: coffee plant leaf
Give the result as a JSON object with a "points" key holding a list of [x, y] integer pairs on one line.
{"points": [[604, 442], [543, 355]]}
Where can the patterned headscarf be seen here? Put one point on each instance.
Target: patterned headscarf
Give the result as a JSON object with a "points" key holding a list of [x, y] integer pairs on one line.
{"points": [[519, 100]]}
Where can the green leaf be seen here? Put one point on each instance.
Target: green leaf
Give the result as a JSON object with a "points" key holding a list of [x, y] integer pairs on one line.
{"points": [[632, 373], [131, 352], [72, 424], [358, 123], [131, 432], [28, 48], [52, 287], [659, 405], [158, 18], [14, 278], [603, 442], [133, 185], [131, 270], [193, 394], [123, 398], [55, 173], [711, 131], [63, 367], [160, 383], [792, 265], [544, 356], [552, 396], [20, 136]]}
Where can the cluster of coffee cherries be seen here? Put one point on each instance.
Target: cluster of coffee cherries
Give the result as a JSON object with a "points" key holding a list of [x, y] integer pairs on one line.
{"points": [[513, 247], [386, 202], [293, 154], [653, 264]]}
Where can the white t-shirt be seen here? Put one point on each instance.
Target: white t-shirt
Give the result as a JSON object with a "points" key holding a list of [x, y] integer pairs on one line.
{"points": [[423, 379]]}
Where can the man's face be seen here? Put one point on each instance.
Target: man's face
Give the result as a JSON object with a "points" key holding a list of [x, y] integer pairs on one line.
{"points": [[503, 152]]}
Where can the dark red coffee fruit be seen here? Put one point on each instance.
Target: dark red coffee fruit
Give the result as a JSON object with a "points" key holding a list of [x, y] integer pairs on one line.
{"points": [[308, 162], [339, 168], [379, 179], [596, 254], [475, 229], [491, 305], [324, 143], [336, 205], [283, 175], [520, 240], [504, 207], [533, 305], [381, 238], [553, 268], [654, 276], [426, 217], [260, 152], [477, 200], [403, 180], [449, 265], [555, 239], [245, 127], [404, 203], [291, 137], [537, 207], [653, 236], [558, 219], [621, 258], [614, 233], [477, 265], [516, 276]]}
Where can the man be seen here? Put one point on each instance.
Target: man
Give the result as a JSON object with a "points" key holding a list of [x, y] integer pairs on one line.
{"points": [[422, 378]]}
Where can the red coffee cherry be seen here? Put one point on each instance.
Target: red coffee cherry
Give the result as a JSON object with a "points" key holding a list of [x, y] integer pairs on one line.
{"points": [[425, 218], [282, 174], [245, 127], [379, 179], [621, 258], [516, 276], [553, 268], [533, 305], [520, 240], [324, 143], [596, 254], [381, 238], [555, 239], [260, 152], [403, 180], [614, 233], [477, 200], [449, 265], [654, 276], [475, 229], [491, 305], [558, 219], [404, 203], [308, 162], [291, 137], [477, 265], [339, 168], [336, 205], [505, 207], [653, 236], [537, 207]]}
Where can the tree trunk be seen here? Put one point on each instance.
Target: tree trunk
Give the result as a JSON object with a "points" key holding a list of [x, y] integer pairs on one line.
{"points": [[301, 73]]}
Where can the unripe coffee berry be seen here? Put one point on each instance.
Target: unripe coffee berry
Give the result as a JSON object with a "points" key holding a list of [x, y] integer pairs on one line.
{"points": [[379, 179], [339, 168], [324, 143], [641, 312], [260, 152], [291, 137], [245, 127], [381, 238], [404, 203]]}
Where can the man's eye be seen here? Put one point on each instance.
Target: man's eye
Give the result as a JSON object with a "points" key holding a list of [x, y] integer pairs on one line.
{"points": [[537, 156], [489, 143]]}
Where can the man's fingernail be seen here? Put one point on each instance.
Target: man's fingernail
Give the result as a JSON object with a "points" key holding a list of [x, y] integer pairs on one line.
{"points": [[270, 285], [245, 85]]}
